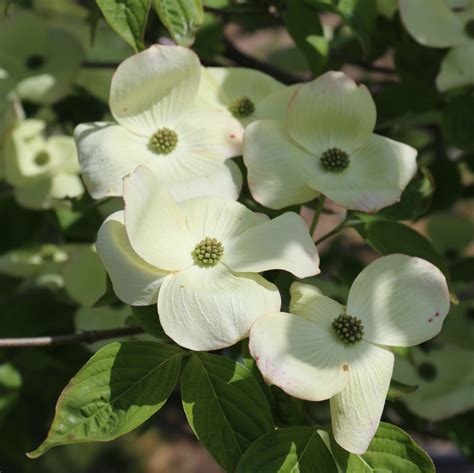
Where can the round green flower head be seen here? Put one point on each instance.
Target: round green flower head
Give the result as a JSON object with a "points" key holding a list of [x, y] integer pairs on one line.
{"points": [[469, 28], [34, 61], [208, 252], [241, 107], [164, 141], [42, 158], [348, 328], [427, 371], [335, 160]]}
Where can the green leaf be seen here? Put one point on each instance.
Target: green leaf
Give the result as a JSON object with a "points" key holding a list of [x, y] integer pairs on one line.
{"points": [[297, 449], [444, 239], [457, 121], [398, 390], [305, 28], [448, 184], [463, 270], [225, 406], [127, 18], [415, 199], [148, 319], [391, 450], [118, 389], [182, 18], [360, 15], [389, 237], [10, 383]]}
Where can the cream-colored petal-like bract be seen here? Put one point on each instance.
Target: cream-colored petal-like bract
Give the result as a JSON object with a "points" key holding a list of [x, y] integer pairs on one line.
{"points": [[457, 68], [432, 22], [278, 168], [66, 186], [107, 153], [64, 152], [294, 354], [192, 176], [275, 105], [152, 89], [21, 147], [331, 112], [357, 409], [35, 195], [282, 243], [233, 82], [401, 300], [134, 280], [210, 133], [219, 218], [378, 172], [212, 308], [448, 391], [309, 302], [155, 224]]}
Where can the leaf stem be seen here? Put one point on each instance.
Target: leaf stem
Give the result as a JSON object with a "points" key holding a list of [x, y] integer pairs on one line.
{"points": [[346, 223], [317, 214], [84, 337]]}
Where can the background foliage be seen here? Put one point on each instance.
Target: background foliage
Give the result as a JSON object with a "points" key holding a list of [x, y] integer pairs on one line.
{"points": [[292, 40]]}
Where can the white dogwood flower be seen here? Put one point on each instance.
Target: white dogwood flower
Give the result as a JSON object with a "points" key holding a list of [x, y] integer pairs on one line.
{"points": [[42, 170], [203, 256], [44, 62], [74, 267], [160, 125], [444, 24], [328, 351], [247, 94], [326, 146], [445, 380]]}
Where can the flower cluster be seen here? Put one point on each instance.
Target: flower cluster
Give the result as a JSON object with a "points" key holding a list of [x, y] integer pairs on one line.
{"points": [[42, 171], [444, 24], [184, 243]]}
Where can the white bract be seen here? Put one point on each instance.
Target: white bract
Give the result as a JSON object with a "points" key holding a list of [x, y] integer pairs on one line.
{"points": [[444, 24], [202, 256], [326, 146], [246, 93], [44, 62], [42, 170], [445, 380], [76, 267], [160, 125], [326, 350]]}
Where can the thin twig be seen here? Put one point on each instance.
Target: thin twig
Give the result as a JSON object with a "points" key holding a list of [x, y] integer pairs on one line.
{"points": [[373, 68], [243, 59], [84, 337], [317, 214]]}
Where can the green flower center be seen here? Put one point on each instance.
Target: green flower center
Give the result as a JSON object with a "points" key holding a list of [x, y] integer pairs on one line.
{"points": [[42, 158], [348, 328], [427, 371], [208, 252], [241, 107], [469, 28], [163, 141], [335, 160], [35, 61]]}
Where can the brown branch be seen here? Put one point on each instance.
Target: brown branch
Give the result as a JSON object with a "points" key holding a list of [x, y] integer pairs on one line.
{"points": [[243, 59], [84, 337]]}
